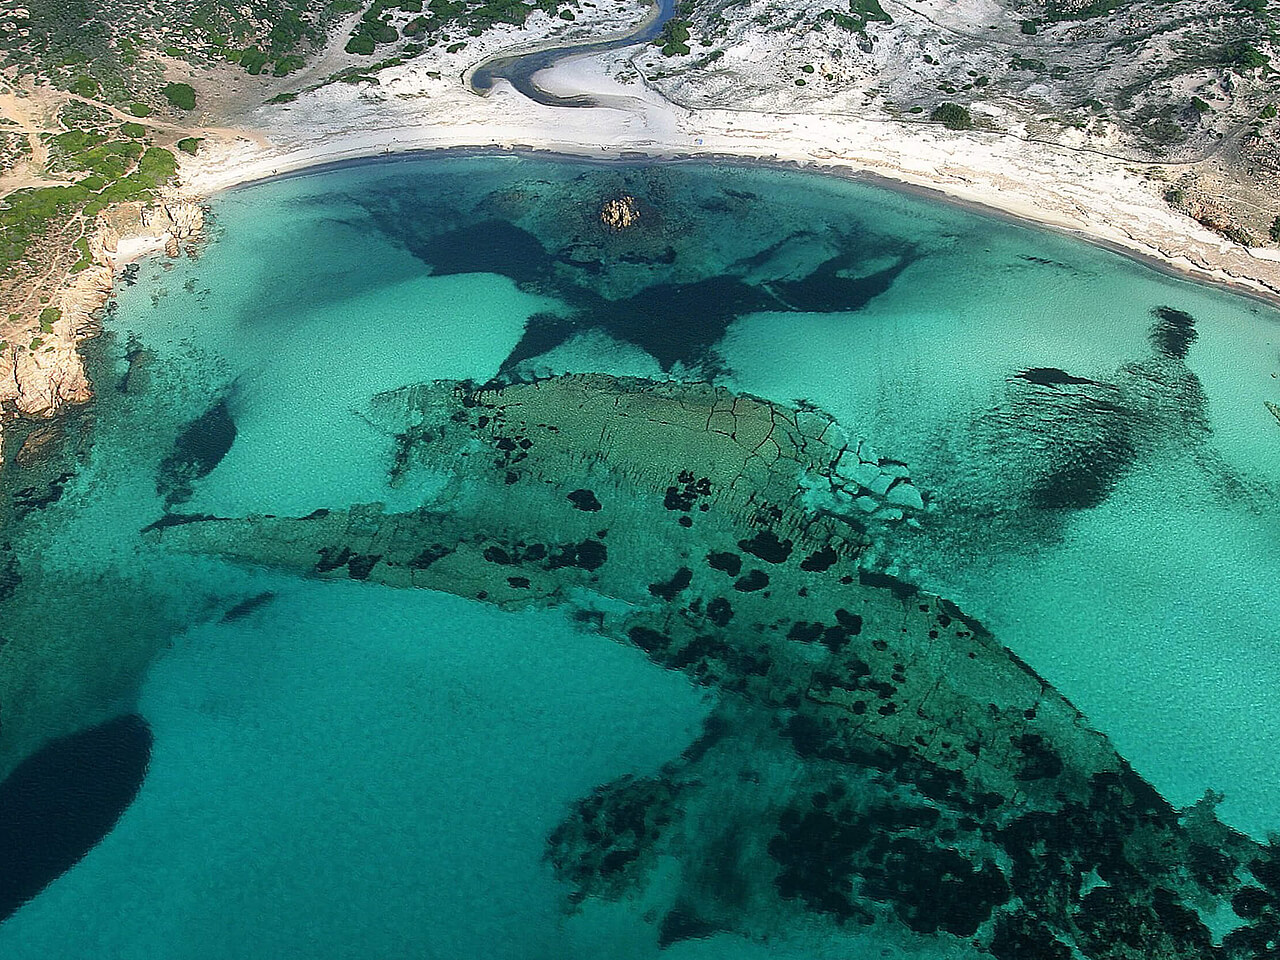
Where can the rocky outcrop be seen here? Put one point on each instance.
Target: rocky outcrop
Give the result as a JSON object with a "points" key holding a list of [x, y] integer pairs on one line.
{"points": [[620, 213], [45, 372], [174, 221], [41, 370]]}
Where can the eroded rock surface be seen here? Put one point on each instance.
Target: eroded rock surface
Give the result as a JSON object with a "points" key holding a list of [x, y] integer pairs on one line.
{"points": [[875, 757]]}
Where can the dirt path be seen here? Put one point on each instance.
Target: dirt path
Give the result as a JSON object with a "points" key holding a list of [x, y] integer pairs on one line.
{"points": [[31, 116]]}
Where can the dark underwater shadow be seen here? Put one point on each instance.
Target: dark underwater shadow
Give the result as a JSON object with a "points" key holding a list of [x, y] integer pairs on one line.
{"points": [[59, 803], [680, 315], [1056, 443]]}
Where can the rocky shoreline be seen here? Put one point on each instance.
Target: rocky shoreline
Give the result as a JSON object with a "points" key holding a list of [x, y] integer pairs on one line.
{"points": [[45, 373]]}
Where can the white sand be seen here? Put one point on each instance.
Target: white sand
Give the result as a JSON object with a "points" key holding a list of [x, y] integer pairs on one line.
{"points": [[1098, 197]]}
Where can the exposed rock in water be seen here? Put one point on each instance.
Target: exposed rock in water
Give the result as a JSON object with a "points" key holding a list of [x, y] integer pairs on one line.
{"points": [[620, 213], [934, 784], [198, 449]]}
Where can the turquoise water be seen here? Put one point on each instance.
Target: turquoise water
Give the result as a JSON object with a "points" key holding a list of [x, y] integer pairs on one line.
{"points": [[346, 769]]}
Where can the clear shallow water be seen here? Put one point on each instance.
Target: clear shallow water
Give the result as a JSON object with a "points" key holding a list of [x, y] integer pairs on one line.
{"points": [[350, 769]]}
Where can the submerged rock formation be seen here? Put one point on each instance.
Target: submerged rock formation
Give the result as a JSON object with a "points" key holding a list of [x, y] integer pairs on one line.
{"points": [[875, 757]]}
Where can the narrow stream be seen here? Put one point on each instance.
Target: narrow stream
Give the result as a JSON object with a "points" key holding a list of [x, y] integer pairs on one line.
{"points": [[519, 70]]}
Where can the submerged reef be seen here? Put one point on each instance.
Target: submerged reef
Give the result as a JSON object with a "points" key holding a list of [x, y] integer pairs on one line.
{"points": [[635, 270], [875, 757]]}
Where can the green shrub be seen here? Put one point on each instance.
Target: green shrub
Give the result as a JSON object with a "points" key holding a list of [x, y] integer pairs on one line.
{"points": [[1029, 27], [952, 116], [139, 110], [180, 95], [76, 141], [135, 131], [81, 247], [48, 317], [1268, 112], [674, 39], [361, 44], [253, 60], [84, 86], [1243, 55], [284, 98], [1275, 230], [286, 65], [189, 145]]}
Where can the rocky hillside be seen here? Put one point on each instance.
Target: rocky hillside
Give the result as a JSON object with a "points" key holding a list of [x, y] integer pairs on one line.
{"points": [[1171, 81]]}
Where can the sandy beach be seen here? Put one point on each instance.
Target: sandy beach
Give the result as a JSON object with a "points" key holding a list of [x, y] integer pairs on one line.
{"points": [[1097, 197]]}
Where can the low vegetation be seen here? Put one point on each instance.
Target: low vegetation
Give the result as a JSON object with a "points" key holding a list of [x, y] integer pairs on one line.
{"points": [[952, 116], [861, 12], [674, 38], [180, 95]]}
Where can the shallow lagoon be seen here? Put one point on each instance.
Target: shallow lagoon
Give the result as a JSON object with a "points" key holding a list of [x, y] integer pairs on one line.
{"points": [[349, 769]]}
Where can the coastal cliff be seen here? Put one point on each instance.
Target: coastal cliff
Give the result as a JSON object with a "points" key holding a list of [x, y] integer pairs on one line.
{"points": [[41, 367]]}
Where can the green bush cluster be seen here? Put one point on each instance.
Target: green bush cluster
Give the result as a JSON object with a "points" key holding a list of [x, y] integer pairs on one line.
{"points": [[375, 28], [1026, 63], [253, 60], [861, 12], [952, 116], [26, 214], [1274, 232], [1244, 56], [81, 247], [189, 145], [155, 167], [48, 317], [674, 39], [180, 95], [139, 109], [135, 131], [1058, 10], [84, 86]]}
